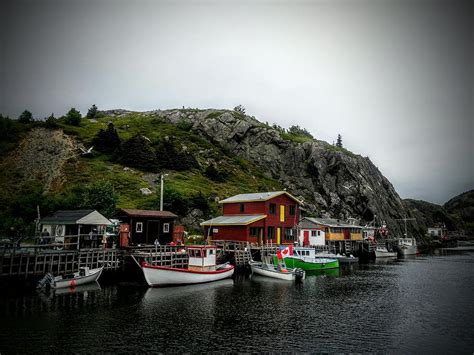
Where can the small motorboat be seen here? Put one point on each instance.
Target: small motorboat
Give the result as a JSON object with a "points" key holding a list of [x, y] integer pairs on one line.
{"points": [[201, 268], [305, 258], [84, 276], [279, 271]]}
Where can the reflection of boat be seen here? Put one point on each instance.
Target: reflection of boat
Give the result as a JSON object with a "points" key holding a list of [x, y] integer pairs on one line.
{"points": [[305, 258], [91, 287], [173, 293], [328, 272], [83, 276], [201, 268], [278, 271]]}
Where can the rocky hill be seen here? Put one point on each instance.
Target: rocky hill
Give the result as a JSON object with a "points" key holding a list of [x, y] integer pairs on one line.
{"points": [[208, 154], [463, 207]]}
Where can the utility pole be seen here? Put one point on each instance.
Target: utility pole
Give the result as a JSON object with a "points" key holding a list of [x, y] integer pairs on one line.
{"points": [[161, 188]]}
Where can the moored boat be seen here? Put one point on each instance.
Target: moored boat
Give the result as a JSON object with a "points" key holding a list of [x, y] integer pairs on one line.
{"points": [[305, 258], [82, 277], [381, 251], [341, 258], [407, 246], [201, 268], [277, 271]]}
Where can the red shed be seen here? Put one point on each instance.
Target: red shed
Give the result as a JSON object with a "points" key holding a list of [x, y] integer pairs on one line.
{"points": [[257, 218]]}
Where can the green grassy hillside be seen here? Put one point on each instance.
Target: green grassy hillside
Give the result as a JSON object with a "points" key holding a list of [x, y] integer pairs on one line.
{"points": [[99, 179]]}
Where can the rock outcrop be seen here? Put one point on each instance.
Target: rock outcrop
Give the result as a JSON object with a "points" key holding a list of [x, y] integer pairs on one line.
{"points": [[327, 178], [41, 156]]}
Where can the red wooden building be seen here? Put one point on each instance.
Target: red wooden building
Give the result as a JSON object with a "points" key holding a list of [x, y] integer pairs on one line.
{"points": [[257, 218]]}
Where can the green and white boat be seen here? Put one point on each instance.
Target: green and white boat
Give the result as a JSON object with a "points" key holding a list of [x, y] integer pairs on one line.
{"points": [[306, 259]]}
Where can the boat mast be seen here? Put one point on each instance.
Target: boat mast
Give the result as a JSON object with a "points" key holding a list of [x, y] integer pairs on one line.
{"points": [[405, 221]]}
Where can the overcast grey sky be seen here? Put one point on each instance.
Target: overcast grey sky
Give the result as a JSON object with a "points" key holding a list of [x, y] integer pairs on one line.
{"points": [[393, 77]]}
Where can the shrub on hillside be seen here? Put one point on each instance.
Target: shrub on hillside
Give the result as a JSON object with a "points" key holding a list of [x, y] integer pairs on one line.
{"points": [[25, 117], [138, 153], [169, 156], [297, 130], [107, 140], [100, 196], [92, 112], [214, 174], [73, 117]]}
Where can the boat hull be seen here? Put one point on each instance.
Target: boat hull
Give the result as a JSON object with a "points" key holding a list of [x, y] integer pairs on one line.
{"points": [[93, 276], [158, 276], [385, 254], [404, 250], [313, 264], [270, 271]]}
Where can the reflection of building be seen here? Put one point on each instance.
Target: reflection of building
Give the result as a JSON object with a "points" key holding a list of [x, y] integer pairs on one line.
{"points": [[146, 225], [264, 217], [327, 231], [70, 227]]}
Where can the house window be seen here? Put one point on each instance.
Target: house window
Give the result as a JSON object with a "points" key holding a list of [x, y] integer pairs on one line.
{"points": [[139, 227], [319, 233], [215, 230], [272, 208], [253, 231], [292, 210], [271, 233], [242, 207], [166, 227], [313, 233], [289, 234]]}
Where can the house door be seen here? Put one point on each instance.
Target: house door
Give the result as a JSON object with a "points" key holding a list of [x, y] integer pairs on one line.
{"points": [[306, 238], [347, 234], [152, 231]]}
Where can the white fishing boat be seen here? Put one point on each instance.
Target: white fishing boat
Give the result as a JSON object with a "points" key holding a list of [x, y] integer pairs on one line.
{"points": [[279, 271], [84, 276], [407, 246], [381, 251], [201, 268]]}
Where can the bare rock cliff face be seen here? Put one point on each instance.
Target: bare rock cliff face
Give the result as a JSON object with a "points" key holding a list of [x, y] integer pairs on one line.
{"points": [[42, 155], [329, 180]]}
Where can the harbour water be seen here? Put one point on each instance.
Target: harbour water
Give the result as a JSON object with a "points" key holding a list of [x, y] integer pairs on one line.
{"points": [[417, 305]]}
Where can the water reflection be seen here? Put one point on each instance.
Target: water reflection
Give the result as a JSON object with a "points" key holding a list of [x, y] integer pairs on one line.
{"points": [[391, 306]]}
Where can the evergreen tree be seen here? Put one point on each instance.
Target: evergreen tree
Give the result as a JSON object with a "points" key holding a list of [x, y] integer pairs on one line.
{"points": [[26, 117], [240, 109], [92, 113], [108, 140], [215, 175], [100, 196], [73, 117], [339, 141], [138, 153], [50, 122], [170, 157]]}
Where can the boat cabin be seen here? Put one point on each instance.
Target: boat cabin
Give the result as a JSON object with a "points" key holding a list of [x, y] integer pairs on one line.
{"points": [[202, 257], [304, 252]]}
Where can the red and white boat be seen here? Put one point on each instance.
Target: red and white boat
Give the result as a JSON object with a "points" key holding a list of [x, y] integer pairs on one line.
{"points": [[201, 268]]}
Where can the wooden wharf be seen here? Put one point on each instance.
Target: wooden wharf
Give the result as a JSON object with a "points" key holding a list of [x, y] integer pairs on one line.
{"points": [[25, 261]]}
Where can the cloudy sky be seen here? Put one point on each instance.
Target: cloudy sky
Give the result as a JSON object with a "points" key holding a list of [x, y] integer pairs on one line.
{"points": [[393, 77]]}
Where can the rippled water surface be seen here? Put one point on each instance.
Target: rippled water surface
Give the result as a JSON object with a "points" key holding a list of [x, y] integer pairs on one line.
{"points": [[419, 305]]}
